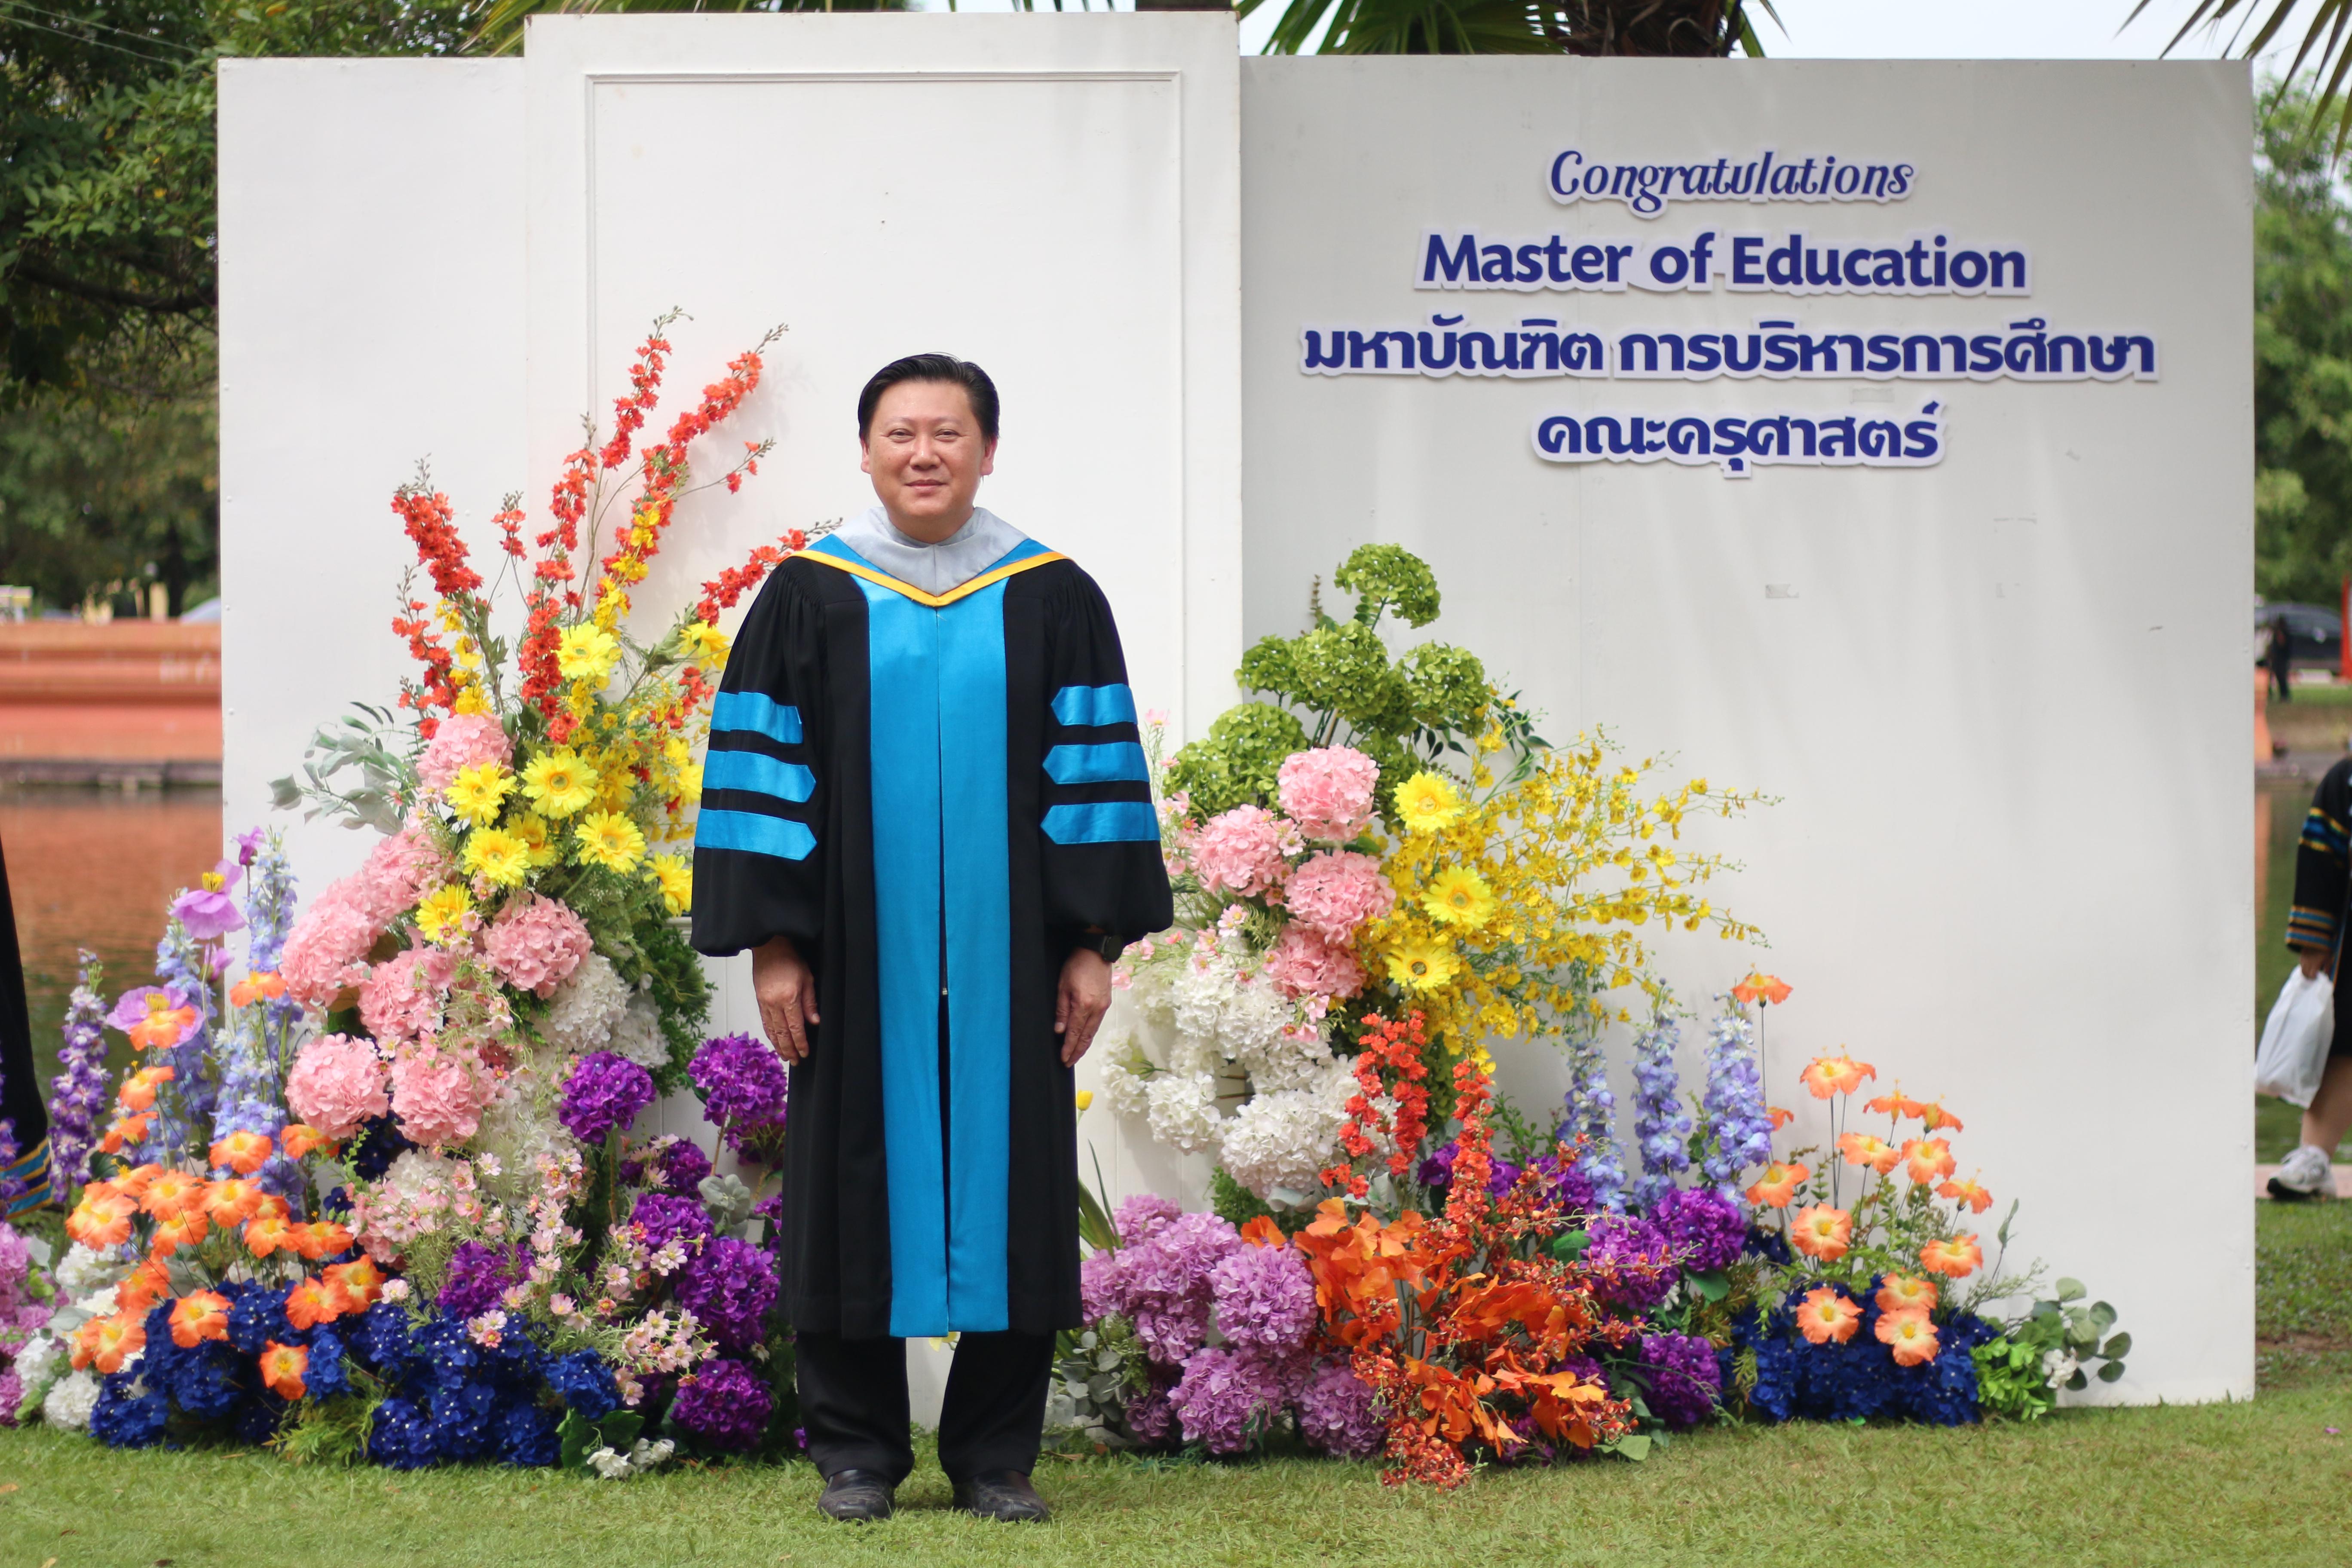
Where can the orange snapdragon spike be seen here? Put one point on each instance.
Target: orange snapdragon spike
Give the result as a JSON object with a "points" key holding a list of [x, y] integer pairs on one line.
{"points": [[1822, 1232], [197, 1318], [355, 1286], [181, 1230], [262, 986], [298, 1138], [1926, 1159], [1968, 1193], [231, 1203], [265, 1233], [117, 1338], [137, 1091], [1862, 1149], [146, 1285], [1955, 1260], [1910, 1334], [282, 1369], [308, 1304], [243, 1152], [1776, 1188], [1827, 1317], [174, 1192], [1907, 1293], [1758, 987]]}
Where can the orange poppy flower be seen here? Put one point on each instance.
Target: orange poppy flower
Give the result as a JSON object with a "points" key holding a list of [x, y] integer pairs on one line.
{"points": [[174, 1192], [1262, 1232], [1821, 1232], [1826, 1316], [1907, 1293], [200, 1317], [134, 1180], [243, 1152], [1840, 1074], [233, 1201], [1925, 1159], [116, 1339], [265, 1233], [308, 1304], [181, 1230], [298, 1138], [1779, 1117], [260, 985], [1769, 989], [122, 1131], [137, 1091], [164, 1025], [319, 1238], [1862, 1149], [272, 1204], [354, 1287], [1911, 1334], [282, 1368], [1957, 1259], [101, 1219], [1777, 1187], [1968, 1193], [1939, 1120], [143, 1287]]}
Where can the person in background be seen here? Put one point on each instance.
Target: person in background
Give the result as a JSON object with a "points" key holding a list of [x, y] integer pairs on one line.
{"points": [[2279, 654], [2313, 930]]}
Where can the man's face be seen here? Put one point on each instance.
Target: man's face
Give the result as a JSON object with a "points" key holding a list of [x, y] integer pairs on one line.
{"points": [[925, 453]]}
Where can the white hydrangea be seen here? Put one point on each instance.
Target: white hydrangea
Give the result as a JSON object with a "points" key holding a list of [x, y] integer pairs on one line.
{"points": [[70, 1403], [584, 1009], [1182, 1109], [1278, 1144], [519, 1127], [37, 1367], [84, 1270], [1123, 1086], [637, 1035]]}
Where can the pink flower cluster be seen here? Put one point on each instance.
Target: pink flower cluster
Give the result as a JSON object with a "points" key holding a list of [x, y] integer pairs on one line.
{"points": [[438, 1096], [1303, 964], [1327, 792], [327, 948], [462, 741], [400, 1000], [1242, 851], [1335, 892], [337, 1083], [536, 945]]}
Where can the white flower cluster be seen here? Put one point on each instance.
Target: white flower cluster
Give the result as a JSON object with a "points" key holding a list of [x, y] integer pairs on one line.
{"points": [[614, 1465], [638, 1035], [70, 1403], [585, 1008], [1214, 1015]]}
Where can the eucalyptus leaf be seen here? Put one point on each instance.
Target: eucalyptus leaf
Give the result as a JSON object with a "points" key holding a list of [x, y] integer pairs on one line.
{"points": [[2117, 1348], [2078, 1381], [2103, 1317], [2071, 1290], [2112, 1371]]}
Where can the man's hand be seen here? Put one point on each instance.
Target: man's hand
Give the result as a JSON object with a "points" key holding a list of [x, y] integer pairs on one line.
{"points": [[1079, 1006], [787, 993], [2313, 961]]}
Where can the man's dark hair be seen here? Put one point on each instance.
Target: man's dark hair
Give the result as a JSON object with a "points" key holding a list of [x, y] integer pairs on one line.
{"points": [[931, 367]]}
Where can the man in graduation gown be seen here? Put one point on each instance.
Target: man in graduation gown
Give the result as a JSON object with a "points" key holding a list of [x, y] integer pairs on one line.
{"points": [[926, 814]]}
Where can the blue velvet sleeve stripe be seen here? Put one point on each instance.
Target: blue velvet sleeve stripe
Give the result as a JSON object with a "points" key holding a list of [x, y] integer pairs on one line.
{"points": [[754, 834], [1083, 705], [758, 772], [1117, 761], [1102, 822], [758, 714]]}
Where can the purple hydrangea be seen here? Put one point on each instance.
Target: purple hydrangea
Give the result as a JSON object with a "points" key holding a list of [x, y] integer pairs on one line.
{"points": [[1141, 1215], [1706, 1229], [1436, 1171], [1160, 1283], [664, 1219], [1684, 1378], [1661, 1126], [479, 1275], [724, 1404], [1228, 1395], [605, 1091], [728, 1286], [1264, 1299], [1632, 1261], [1340, 1414], [668, 1165], [1565, 1184], [745, 1088], [1151, 1415]]}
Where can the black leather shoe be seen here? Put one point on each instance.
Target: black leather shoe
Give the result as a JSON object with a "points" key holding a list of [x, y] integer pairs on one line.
{"points": [[1001, 1494], [857, 1496]]}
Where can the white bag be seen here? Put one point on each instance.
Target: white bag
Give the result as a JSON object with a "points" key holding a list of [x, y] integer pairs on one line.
{"points": [[2296, 1039]]}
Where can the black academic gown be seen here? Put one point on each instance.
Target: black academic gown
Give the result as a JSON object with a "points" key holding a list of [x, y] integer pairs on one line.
{"points": [[936, 797]]}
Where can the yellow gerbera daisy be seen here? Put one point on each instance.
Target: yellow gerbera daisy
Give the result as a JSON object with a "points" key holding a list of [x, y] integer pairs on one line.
{"points": [[587, 652], [445, 915], [676, 879], [559, 783], [1458, 896], [1427, 802], [478, 790], [500, 856], [703, 642], [607, 839], [532, 831], [1418, 963]]}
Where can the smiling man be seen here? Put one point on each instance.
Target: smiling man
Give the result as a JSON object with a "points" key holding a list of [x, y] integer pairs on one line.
{"points": [[926, 812]]}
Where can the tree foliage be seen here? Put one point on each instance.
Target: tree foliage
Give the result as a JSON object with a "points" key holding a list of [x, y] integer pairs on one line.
{"points": [[1686, 27], [2303, 356]]}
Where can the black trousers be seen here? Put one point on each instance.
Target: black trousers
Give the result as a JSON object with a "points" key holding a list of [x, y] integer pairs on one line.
{"points": [[854, 1404]]}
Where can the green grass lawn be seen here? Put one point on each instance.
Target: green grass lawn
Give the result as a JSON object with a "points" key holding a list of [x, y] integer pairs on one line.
{"points": [[2206, 1484]]}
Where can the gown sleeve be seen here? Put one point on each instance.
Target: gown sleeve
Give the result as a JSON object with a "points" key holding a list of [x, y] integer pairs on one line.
{"points": [[2320, 862], [758, 869], [1102, 865]]}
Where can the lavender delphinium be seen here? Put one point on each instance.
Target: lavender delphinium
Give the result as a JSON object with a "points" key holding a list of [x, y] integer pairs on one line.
{"points": [[1592, 1122], [258, 1039], [79, 1093], [744, 1089], [1704, 1228], [606, 1091], [184, 965], [1661, 1125], [1736, 1125]]}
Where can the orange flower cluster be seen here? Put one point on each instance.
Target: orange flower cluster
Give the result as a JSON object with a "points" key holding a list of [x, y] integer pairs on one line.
{"points": [[1393, 1048], [732, 583], [1768, 989]]}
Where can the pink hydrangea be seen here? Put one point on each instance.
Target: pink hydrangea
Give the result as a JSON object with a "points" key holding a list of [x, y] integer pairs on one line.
{"points": [[536, 945], [1327, 792], [1240, 852], [396, 873], [1304, 965], [1333, 894], [401, 999], [438, 1096], [337, 1083], [328, 947], [463, 740]]}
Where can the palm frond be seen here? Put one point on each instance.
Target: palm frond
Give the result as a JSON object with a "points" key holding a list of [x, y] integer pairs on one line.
{"points": [[2323, 40]]}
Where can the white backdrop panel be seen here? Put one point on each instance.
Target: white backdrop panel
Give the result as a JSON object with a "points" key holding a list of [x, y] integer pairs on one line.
{"points": [[2003, 701]]}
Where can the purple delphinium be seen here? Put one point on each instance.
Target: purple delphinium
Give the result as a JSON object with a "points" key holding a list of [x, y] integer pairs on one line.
{"points": [[479, 1275], [1340, 1414], [1704, 1228], [1662, 1128], [1159, 1284], [728, 1286], [78, 1095], [1684, 1378], [1632, 1261], [1592, 1122], [663, 1220], [606, 1091], [1227, 1396], [11, 1187], [258, 1043], [725, 1404], [744, 1089], [1264, 1299], [185, 966], [1733, 1115]]}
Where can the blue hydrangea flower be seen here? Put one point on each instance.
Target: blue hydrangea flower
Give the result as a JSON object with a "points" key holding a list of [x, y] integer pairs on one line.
{"points": [[327, 1377], [585, 1383], [401, 1436], [526, 1436], [126, 1419], [463, 1417]]}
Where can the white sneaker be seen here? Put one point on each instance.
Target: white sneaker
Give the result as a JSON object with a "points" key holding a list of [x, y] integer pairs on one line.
{"points": [[2305, 1173]]}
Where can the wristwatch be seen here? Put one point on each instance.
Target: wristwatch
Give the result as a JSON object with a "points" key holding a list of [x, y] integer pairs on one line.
{"points": [[1109, 945]]}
